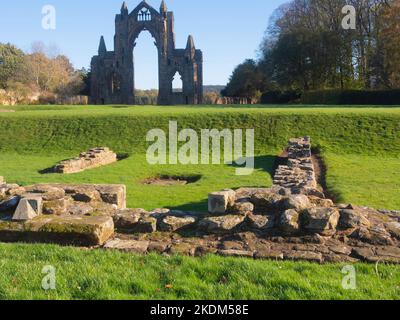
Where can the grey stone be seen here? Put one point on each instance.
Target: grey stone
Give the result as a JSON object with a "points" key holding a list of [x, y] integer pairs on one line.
{"points": [[48, 193], [135, 221], [289, 221], [236, 253], [57, 207], [87, 160], [394, 229], [259, 222], [139, 247], [28, 208], [242, 207], [266, 201], [352, 219], [112, 72], [172, 223], [320, 220], [222, 224], [297, 202], [80, 209], [221, 202]]}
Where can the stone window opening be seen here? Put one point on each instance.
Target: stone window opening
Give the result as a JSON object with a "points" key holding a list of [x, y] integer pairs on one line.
{"points": [[177, 83], [144, 15]]}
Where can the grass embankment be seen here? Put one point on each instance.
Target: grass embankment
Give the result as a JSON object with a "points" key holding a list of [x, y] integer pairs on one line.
{"points": [[82, 274], [361, 148]]}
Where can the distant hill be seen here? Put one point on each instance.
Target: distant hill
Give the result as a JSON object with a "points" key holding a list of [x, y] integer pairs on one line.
{"points": [[213, 88]]}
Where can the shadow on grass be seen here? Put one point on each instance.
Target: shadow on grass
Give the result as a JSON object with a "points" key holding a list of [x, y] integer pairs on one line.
{"points": [[266, 163]]}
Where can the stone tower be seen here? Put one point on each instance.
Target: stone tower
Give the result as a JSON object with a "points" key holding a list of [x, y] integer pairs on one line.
{"points": [[113, 71]]}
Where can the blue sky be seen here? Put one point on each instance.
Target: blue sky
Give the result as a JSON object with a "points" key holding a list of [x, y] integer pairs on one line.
{"points": [[228, 31]]}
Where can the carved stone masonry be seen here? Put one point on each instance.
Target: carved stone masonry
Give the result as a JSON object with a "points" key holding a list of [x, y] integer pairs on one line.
{"points": [[113, 71]]}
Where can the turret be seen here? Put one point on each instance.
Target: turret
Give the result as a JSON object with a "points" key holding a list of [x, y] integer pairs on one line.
{"points": [[102, 46], [190, 48], [163, 7], [124, 9]]}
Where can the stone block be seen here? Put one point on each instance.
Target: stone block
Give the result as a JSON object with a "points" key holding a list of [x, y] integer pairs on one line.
{"points": [[352, 219], [139, 247], [66, 230], [220, 202], [172, 224], [243, 208], [113, 194], [94, 158], [259, 222], [135, 221], [320, 220], [297, 202], [289, 221], [222, 224], [29, 207]]}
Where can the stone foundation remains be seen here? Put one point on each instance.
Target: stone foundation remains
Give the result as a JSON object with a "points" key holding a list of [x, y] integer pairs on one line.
{"points": [[93, 158], [292, 220]]}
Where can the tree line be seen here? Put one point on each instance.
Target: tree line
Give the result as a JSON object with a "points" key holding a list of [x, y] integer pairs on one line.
{"points": [[306, 48], [41, 76]]}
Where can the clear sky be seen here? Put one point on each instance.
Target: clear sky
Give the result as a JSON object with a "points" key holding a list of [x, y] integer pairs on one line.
{"points": [[228, 31]]}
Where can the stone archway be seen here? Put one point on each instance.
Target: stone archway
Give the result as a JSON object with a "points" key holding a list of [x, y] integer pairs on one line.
{"points": [[188, 62]]}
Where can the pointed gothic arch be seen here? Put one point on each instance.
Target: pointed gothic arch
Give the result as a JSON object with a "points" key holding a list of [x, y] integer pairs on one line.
{"points": [[160, 24]]}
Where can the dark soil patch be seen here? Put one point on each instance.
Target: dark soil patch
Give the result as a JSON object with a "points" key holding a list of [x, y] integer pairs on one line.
{"points": [[166, 180], [321, 170]]}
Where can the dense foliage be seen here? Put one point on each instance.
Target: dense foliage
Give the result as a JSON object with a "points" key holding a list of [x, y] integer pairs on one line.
{"points": [[306, 48], [40, 75]]}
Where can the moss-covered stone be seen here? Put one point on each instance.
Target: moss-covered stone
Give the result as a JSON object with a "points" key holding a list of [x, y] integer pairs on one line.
{"points": [[70, 230]]}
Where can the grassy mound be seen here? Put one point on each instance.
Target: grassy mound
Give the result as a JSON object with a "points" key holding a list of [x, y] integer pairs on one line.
{"points": [[340, 130]]}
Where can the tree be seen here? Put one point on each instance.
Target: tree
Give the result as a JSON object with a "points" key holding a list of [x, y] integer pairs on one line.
{"points": [[11, 59], [247, 81]]}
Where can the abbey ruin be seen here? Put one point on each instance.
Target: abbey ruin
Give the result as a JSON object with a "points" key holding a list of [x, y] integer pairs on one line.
{"points": [[113, 72]]}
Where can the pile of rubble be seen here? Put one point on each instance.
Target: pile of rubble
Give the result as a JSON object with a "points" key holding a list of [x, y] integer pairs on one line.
{"points": [[93, 158]]}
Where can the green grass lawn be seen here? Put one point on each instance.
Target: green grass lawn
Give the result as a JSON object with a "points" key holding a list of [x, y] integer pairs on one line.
{"points": [[83, 274], [372, 181], [361, 147], [24, 170]]}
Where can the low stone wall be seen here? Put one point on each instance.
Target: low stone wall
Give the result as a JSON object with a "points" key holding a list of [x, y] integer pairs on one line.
{"points": [[93, 158], [298, 174], [291, 220], [60, 213]]}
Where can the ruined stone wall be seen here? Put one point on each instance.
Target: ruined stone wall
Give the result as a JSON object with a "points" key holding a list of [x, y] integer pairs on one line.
{"points": [[298, 174], [292, 220], [87, 160]]}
